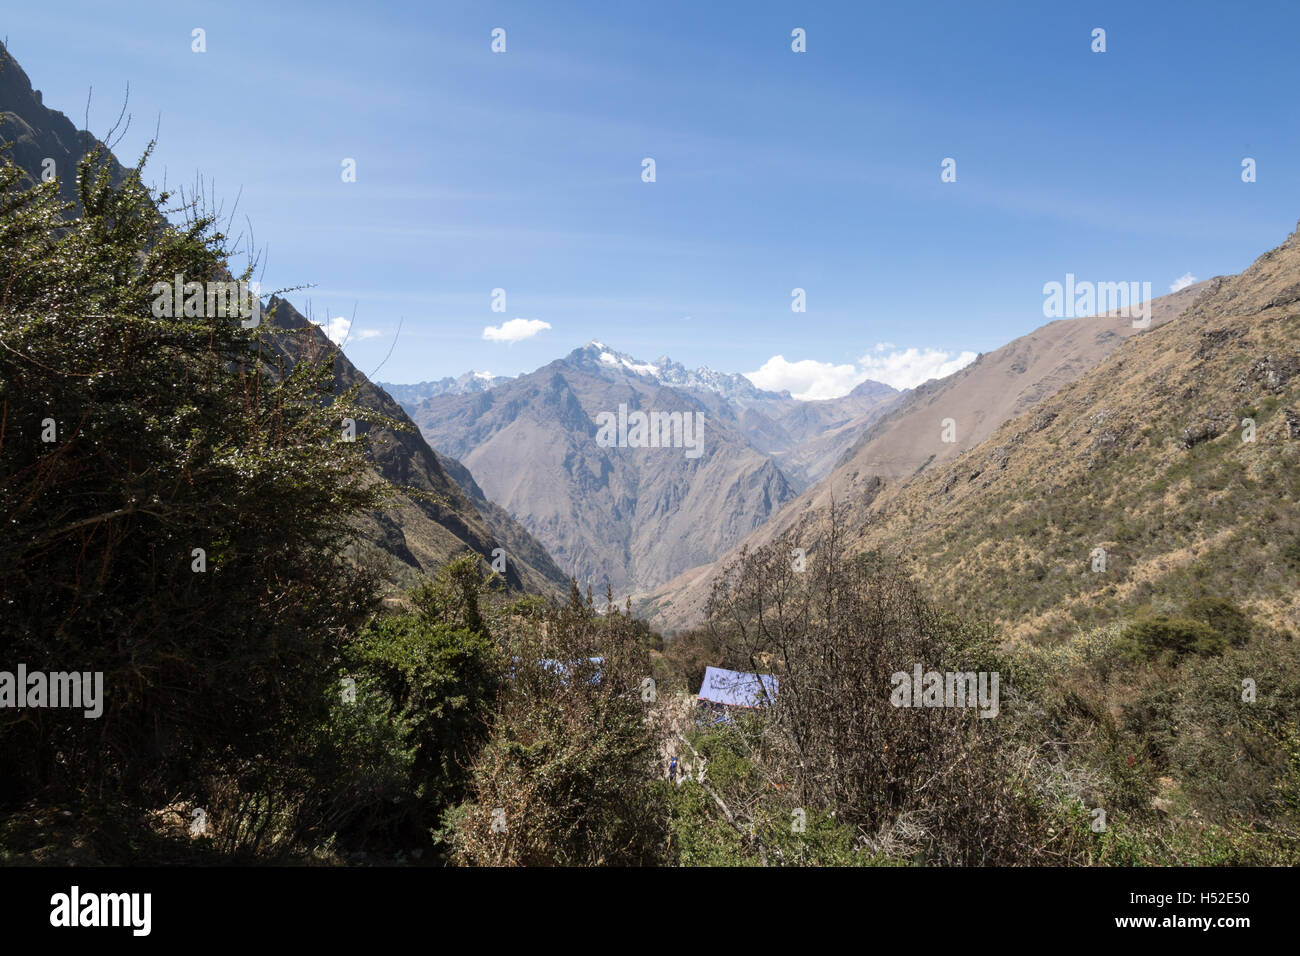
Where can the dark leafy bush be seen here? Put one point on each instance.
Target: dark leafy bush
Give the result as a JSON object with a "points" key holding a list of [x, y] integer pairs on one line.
{"points": [[1162, 636], [128, 441], [1230, 621], [442, 683], [570, 774]]}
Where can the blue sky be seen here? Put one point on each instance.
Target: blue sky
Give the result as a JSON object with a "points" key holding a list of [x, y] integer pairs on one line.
{"points": [[774, 170]]}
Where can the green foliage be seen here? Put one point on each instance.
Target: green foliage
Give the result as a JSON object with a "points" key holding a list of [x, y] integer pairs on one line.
{"points": [[1162, 636], [569, 771], [171, 434], [1291, 553], [687, 655], [1227, 748], [1228, 621], [441, 681], [767, 827], [1288, 783], [455, 593]]}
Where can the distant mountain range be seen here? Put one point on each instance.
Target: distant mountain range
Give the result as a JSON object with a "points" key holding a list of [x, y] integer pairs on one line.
{"points": [[634, 517], [408, 396], [663, 370]]}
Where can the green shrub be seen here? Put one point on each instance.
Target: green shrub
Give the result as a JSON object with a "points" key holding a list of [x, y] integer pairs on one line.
{"points": [[1227, 749], [175, 439], [1226, 618], [569, 775], [1162, 636], [1291, 553], [442, 682], [362, 766]]}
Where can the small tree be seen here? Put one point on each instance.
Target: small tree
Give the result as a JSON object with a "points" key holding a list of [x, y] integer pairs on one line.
{"points": [[931, 779]]}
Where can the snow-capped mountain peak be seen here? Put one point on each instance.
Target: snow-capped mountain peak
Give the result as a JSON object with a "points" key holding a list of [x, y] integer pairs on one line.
{"points": [[597, 355]]}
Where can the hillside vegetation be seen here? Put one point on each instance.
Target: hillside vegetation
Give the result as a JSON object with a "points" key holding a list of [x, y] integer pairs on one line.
{"points": [[188, 514], [1178, 455]]}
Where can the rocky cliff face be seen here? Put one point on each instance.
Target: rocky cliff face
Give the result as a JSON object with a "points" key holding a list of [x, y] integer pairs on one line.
{"points": [[42, 142]]}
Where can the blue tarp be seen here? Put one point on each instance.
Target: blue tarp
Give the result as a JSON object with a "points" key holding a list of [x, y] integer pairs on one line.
{"points": [[736, 689]]}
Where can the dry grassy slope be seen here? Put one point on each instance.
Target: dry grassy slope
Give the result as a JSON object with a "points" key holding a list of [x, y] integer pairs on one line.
{"points": [[888, 455], [1142, 456]]}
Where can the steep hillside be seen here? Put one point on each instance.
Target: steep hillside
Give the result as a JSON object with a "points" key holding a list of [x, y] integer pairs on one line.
{"points": [[1177, 456], [908, 440], [540, 572], [1143, 457], [420, 532], [38, 137], [439, 518]]}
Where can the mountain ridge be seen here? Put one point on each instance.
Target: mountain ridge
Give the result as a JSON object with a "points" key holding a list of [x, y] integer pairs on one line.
{"points": [[907, 439], [422, 531]]}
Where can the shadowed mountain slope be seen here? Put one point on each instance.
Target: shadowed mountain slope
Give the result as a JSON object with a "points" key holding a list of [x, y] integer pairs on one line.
{"points": [[437, 518], [424, 528]]}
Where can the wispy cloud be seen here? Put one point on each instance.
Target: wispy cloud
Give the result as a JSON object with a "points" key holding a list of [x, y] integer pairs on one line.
{"points": [[1182, 282], [516, 330], [339, 330], [811, 380]]}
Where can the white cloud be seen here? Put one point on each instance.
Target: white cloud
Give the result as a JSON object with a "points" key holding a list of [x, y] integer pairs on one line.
{"points": [[807, 379], [1182, 282], [516, 330], [908, 368], [810, 380], [339, 330]]}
